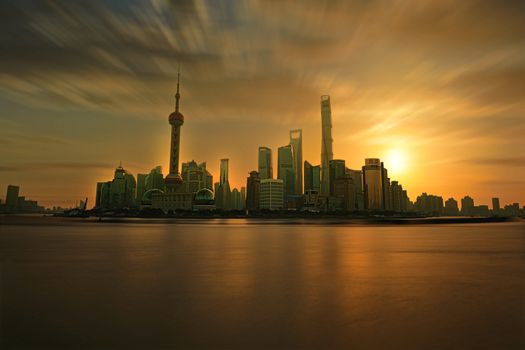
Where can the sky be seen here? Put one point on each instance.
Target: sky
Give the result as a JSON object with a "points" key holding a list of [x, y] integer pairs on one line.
{"points": [[436, 89]]}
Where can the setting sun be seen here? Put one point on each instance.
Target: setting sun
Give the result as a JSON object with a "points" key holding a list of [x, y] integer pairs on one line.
{"points": [[396, 161]]}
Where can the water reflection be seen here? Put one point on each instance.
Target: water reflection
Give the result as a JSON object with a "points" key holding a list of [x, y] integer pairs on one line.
{"points": [[245, 286]]}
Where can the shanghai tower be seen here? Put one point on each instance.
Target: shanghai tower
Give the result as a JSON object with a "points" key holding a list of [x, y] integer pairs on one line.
{"points": [[326, 144]]}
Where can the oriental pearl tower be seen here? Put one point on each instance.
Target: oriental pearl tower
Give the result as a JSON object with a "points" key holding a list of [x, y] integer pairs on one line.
{"points": [[176, 120]]}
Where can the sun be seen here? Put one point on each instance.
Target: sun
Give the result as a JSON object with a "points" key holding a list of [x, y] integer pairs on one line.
{"points": [[396, 161]]}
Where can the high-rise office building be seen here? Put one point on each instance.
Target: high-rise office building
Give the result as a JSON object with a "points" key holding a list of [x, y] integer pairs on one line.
{"points": [[253, 189], [176, 120], [154, 180], [406, 204], [237, 200], [118, 193], [147, 182], [265, 163], [196, 177], [243, 197], [223, 171], [271, 194], [337, 170], [285, 169], [429, 204], [326, 144], [141, 188], [312, 177], [296, 140], [396, 196], [11, 198], [357, 176], [18, 204], [387, 205], [512, 209], [343, 188], [451, 207], [373, 184], [467, 206], [223, 191], [495, 205]]}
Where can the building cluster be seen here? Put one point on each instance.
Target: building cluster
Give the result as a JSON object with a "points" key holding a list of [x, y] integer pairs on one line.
{"points": [[191, 188], [14, 203], [328, 187], [433, 205], [297, 185]]}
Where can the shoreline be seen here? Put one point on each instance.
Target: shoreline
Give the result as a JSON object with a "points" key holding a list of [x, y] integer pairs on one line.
{"points": [[40, 219]]}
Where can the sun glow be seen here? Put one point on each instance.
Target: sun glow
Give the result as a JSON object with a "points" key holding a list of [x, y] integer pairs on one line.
{"points": [[396, 161]]}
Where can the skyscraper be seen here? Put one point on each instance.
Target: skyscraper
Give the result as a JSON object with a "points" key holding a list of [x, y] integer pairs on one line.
{"points": [[196, 177], [373, 184], [271, 195], [495, 205], [265, 163], [223, 192], [236, 200], [396, 196], [224, 171], [176, 120], [387, 204], [467, 206], [11, 198], [337, 171], [253, 188], [154, 179], [118, 193], [243, 197], [451, 207], [312, 177], [296, 140], [344, 189], [357, 176], [141, 188], [146, 182], [326, 144], [285, 169], [429, 204]]}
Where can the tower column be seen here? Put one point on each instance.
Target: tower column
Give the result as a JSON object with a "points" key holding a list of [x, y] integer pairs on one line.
{"points": [[176, 119], [174, 151], [326, 144]]}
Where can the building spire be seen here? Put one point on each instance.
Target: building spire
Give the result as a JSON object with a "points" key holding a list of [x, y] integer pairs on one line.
{"points": [[177, 95]]}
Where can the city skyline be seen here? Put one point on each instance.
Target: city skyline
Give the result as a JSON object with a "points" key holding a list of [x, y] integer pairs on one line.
{"points": [[458, 114]]}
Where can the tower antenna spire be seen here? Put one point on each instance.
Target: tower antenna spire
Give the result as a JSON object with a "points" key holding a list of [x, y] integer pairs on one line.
{"points": [[177, 95]]}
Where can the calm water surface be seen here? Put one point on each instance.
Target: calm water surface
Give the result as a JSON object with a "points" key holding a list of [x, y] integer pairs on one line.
{"points": [[233, 284]]}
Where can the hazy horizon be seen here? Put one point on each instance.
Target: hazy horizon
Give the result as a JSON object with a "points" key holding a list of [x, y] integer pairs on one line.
{"points": [[436, 90]]}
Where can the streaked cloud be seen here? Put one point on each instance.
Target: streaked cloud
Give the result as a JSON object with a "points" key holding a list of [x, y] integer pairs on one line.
{"points": [[441, 79], [493, 161]]}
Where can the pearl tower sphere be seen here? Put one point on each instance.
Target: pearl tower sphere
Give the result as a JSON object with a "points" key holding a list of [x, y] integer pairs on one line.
{"points": [[176, 120]]}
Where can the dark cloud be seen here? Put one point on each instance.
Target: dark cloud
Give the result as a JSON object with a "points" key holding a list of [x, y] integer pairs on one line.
{"points": [[61, 48]]}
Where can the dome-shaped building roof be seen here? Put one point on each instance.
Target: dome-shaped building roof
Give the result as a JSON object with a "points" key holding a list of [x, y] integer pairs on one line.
{"points": [[204, 196], [147, 196]]}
